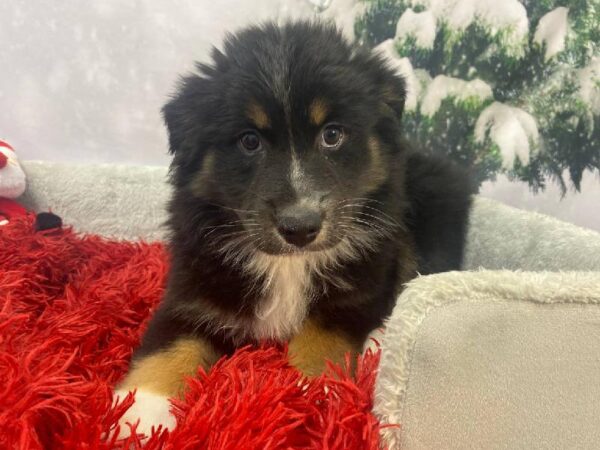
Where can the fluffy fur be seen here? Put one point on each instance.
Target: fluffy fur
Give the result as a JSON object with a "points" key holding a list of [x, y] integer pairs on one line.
{"points": [[298, 210], [234, 279]]}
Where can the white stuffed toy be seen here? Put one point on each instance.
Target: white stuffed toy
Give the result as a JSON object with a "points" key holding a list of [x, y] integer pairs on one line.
{"points": [[12, 184]]}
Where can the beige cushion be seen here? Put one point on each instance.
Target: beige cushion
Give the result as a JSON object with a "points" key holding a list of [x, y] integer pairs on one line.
{"points": [[494, 360], [116, 201]]}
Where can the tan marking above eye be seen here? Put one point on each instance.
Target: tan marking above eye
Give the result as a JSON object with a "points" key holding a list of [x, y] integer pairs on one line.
{"points": [[258, 115], [318, 111]]}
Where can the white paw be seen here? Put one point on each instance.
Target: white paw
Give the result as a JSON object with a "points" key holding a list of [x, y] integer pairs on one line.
{"points": [[152, 411]]}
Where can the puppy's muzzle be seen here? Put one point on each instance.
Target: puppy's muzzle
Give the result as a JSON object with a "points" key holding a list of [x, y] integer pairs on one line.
{"points": [[299, 225]]}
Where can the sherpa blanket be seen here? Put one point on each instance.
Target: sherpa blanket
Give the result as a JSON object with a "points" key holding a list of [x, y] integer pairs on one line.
{"points": [[72, 309], [493, 360]]}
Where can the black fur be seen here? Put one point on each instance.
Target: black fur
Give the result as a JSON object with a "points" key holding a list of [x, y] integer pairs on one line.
{"points": [[439, 197], [417, 208]]}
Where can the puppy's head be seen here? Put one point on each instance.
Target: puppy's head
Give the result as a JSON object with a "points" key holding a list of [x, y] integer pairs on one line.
{"points": [[287, 138]]}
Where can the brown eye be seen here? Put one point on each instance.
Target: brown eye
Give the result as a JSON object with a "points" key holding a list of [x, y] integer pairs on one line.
{"points": [[250, 141], [332, 136]]}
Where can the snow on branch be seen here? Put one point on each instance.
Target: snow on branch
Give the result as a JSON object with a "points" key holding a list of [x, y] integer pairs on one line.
{"points": [[513, 130], [552, 31], [589, 84], [507, 18], [421, 26], [443, 87]]}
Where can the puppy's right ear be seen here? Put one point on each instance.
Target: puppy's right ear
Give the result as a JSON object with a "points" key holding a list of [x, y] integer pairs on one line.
{"points": [[175, 129], [192, 104], [181, 115]]}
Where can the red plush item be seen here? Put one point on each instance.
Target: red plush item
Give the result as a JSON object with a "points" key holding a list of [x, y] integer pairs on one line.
{"points": [[10, 209], [72, 310]]}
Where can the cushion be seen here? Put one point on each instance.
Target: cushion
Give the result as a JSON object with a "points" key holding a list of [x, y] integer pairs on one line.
{"points": [[494, 360], [502, 237], [115, 201]]}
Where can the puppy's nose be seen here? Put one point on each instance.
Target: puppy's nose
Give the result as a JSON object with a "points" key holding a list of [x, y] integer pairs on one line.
{"points": [[299, 226]]}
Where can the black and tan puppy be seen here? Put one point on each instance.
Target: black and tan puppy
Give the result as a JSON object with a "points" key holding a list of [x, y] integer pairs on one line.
{"points": [[297, 212]]}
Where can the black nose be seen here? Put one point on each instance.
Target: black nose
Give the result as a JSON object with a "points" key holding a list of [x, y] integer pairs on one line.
{"points": [[299, 226]]}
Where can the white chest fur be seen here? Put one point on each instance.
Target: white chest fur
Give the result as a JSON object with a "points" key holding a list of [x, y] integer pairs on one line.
{"points": [[288, 287], [286, 295], [285, 285]]}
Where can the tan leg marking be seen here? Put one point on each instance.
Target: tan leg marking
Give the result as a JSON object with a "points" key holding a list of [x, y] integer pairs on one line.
{"points": [[314, 344], [164, 372], [318, 111]]}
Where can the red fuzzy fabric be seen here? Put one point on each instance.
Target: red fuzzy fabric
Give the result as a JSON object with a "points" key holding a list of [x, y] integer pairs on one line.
{"points": [[72, 309]]}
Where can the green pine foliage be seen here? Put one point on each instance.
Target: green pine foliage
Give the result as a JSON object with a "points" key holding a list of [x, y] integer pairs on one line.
{"points": [[520, 76]]}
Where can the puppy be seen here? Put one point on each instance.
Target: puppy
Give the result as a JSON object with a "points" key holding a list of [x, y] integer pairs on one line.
{"points": [[298, 211]]}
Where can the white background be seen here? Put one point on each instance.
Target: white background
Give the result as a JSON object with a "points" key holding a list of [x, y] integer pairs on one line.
{"points": [[84, 80]]}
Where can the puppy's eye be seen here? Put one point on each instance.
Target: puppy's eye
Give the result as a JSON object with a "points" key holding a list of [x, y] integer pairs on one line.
{"points": [[250, 141], [332, 136]]}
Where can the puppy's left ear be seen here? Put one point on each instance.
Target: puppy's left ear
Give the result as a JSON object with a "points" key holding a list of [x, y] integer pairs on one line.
{"points": [[390, 86], [393, 92]]}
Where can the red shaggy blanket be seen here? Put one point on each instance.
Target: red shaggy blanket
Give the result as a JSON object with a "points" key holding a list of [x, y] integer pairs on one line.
{"points": [[72, 309]]}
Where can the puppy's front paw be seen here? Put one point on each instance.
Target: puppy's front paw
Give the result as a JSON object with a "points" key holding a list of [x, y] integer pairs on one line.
{"points": [[152, 410]]}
